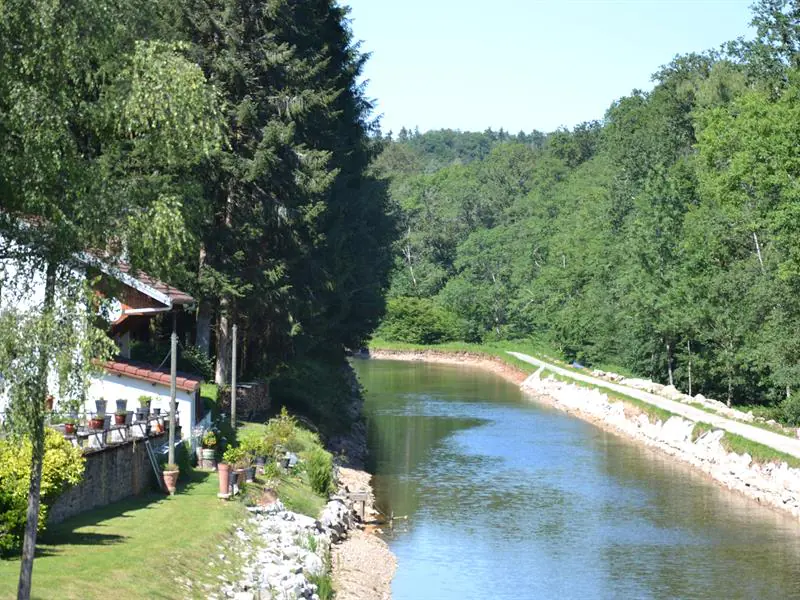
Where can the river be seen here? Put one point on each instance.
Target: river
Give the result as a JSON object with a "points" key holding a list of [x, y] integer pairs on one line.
{"points": [[502, 497]]}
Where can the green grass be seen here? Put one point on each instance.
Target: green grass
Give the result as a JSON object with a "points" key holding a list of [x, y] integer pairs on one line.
{"points": [[700, 428], [131, 549], [294, 489], [760, 453]]}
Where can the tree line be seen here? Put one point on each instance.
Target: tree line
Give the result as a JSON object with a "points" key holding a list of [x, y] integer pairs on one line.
{"points": [[222, 146], [663, 238]]}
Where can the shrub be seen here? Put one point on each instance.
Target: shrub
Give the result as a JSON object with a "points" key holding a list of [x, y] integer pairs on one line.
{"points": [[63, 466], [209, 439], [790, 409], [319, 466], [418, 321], [279, 433], [235, 456], [254, 446]]}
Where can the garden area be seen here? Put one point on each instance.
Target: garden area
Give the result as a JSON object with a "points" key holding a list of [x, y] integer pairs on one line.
{"points": [[145, 546]]}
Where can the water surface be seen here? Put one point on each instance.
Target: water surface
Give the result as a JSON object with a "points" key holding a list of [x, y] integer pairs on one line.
{"points": [[507, 498]]}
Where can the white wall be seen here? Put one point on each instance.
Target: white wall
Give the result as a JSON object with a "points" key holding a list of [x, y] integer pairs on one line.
{"points": [[113, 387]]}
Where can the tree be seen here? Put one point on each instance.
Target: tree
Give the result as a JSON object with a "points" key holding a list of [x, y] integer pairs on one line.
{"points": [[98, 132]]}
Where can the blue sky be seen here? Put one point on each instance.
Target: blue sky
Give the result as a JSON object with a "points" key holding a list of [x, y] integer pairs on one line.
{"points": [[525, 64]]}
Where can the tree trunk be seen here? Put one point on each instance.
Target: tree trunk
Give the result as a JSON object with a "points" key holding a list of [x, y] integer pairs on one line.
{"points": [[203, 340], [669, 362], [689, 349], [758, 253], [37, 442], [223, 371]]}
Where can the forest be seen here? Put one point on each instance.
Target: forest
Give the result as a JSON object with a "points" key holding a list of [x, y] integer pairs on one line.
{"points": [[223, 147], [664, 237]]}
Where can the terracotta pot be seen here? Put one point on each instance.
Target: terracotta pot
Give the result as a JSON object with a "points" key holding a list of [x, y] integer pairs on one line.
{"points": [[224, 471], [96, 423], [171, 481], [69, 428], [119, 419]]}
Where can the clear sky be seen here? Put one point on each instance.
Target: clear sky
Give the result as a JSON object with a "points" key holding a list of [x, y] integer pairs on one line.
{"points": [[525, 64]]}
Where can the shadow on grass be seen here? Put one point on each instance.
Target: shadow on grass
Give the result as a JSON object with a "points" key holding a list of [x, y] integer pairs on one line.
{"points": [[65, 533]]}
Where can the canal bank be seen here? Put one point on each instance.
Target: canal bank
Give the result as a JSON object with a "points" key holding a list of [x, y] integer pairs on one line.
{"points": [[697, 443]]}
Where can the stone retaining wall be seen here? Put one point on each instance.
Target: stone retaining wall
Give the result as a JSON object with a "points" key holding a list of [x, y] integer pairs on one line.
{"points": [[775, 484], [111, 474]]}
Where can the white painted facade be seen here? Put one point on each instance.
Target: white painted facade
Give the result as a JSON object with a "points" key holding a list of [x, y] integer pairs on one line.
{"points": [[112, 387]]}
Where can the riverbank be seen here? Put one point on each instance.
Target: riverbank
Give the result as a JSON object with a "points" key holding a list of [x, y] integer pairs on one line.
{"points": [[770, 482]]}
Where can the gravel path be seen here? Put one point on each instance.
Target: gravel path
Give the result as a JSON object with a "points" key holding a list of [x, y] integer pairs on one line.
{"points": [[756, 434], [363, 566]]}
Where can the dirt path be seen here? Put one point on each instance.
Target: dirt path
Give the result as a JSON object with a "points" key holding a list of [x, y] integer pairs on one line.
{"points": [[363, 566]]}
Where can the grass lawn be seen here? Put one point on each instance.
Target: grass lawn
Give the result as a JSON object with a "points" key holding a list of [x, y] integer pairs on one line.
{"points": [[135, 548]]}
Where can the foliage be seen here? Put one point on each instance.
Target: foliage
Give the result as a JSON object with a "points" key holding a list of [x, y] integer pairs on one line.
{"points": [[255, 446], [418, 321], [319, 466], [62, 467], [209, 440], [235, 456], [663, 239]]}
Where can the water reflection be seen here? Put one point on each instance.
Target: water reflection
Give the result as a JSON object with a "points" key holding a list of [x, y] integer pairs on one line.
{"points": [[510, 499]]}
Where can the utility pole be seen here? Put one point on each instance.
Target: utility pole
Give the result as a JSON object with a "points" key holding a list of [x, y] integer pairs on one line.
{"points": [[233, 378], [172, 385]]}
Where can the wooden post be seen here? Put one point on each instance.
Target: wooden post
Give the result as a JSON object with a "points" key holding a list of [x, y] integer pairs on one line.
{"points": [[172, 387], [233, 378]]}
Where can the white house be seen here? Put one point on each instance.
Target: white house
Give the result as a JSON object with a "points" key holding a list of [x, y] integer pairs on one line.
{"points": [[135, 299]]}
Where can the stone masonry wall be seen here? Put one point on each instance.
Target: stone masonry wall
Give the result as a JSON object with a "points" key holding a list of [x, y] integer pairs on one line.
{"points": [[111, 474]]}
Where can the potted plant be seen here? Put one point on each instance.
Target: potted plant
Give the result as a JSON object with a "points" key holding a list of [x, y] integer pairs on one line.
{"points": [[69, 426], [144, 402], [236, 458], [100, 406], [119, 417], [170, 474], [209, 443], [97, 422], [252, 447], [122, 405]]}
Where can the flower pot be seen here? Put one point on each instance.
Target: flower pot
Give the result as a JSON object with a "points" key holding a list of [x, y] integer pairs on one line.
{"points": [[100, 406], [207, 460], [156, 412], [49, 403], [96, 423], [119, 419], [69, 428], [141, 414], [224, 471], [250, 473], [240, 477], [129, 417], [171, 481], [106, 421], [260, 464], [122, 405]]}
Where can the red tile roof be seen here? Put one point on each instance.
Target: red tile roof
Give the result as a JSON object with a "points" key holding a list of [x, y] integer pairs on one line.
{"points": [[145, 372]]}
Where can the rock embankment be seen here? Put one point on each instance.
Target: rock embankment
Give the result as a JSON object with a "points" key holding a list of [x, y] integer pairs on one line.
{"points": [[774, 484], [282, 552]]}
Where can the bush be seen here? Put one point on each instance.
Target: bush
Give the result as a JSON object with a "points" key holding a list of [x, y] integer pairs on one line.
{"points": [[280, 433], [790, 410], [63, 467], [235, 456], [418, 321], [319, 466]]}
